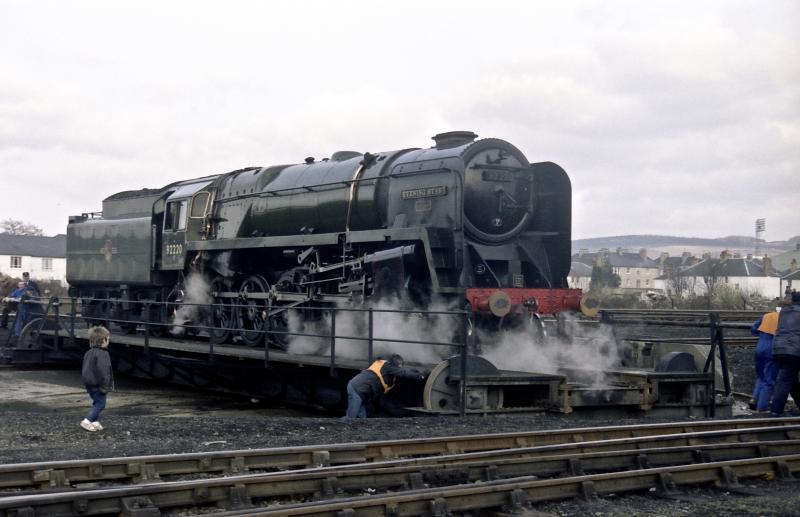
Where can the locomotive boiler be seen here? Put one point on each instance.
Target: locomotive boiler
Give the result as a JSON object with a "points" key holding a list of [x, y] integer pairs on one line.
{"points": [[468, 221]]}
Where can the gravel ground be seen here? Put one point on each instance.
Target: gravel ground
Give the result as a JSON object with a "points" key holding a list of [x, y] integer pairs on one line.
{"points": [[41, 409]]}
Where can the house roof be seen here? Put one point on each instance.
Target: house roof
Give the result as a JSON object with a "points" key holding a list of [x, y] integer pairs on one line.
{"points": [[794, 275], [617, 259], [732, 267], [783, 261], [580, 269], [33, 246]]}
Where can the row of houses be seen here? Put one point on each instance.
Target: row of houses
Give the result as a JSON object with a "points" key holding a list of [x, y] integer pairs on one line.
{"points": [[45, 259], [687, 274]]}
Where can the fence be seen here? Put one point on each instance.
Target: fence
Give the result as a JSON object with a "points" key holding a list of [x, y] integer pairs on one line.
{"points": [[52, 316]]}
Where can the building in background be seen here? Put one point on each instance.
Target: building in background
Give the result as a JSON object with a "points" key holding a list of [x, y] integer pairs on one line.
{"points": [[580, 275], [45, 258], [746, 275], [787, 262], [792, 280], [635, 270]]}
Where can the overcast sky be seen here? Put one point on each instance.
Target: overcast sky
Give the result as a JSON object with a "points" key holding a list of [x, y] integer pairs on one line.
{"points": [[678, 118]]}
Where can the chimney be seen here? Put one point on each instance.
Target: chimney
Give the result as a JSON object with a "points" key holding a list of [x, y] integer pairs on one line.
{"points": [[749, 256], [643, 253], [767, 265], [454, 139]]}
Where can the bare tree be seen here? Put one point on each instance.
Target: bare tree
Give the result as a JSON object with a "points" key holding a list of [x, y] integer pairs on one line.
{"points": [[712, 279], [17, 227]]}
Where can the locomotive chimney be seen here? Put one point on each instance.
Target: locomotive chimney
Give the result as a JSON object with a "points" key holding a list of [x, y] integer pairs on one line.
{"points": [[453, 139]]}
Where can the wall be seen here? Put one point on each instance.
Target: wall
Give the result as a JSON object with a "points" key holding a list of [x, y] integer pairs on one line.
{"points": [[766, 286], [33, 265], [579, 282], [628, 276]]}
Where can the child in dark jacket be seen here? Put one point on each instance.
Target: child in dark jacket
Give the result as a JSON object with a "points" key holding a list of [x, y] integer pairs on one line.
{"points": [[97, 375]]}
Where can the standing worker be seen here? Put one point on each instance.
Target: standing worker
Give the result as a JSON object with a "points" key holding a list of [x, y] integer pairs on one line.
{"points": [[786, 351], [12, 303], [30, 284], [766, 368], [97, 376], [374, 382]]}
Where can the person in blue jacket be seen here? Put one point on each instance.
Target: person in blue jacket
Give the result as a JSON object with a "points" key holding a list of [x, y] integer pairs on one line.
{"points": [[30, 284], [786, 351], [12, 303], [766, 368], [28, 309]]}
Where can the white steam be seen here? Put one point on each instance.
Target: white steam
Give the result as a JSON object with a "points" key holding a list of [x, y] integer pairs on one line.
{"points": [[196, 294], [387, 327], [583, 359]]}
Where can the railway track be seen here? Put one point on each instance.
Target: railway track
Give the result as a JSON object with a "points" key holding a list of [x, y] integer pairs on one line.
{"points": [[680, 454], [56, 474]]}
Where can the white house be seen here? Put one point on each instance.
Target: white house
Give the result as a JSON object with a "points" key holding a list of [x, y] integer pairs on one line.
{"points": [[743, 274], [635, 270], [580, 276], [45, 258]]}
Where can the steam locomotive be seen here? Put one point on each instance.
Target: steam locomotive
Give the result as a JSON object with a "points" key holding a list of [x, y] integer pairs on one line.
{"points": [[468, 221]]}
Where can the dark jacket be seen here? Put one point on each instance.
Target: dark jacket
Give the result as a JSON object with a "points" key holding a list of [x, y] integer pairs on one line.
{"points": [[96, 370], [787, 338], [34, 287], [369, 386]]}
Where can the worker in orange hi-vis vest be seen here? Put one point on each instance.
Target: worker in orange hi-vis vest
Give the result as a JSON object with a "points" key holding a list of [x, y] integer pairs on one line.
{"points": [[373, 382], [766, 367]]}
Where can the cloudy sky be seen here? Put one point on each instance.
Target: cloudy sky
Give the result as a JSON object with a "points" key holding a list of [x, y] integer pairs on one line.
{"points": [[678, 118]]}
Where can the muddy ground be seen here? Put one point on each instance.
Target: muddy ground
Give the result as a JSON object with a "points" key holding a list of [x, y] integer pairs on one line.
{"points": [[41, 409]]}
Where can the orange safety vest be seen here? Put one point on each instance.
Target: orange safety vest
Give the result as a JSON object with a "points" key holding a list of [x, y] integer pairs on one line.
{"points": [[769, 323], [376, 369]]}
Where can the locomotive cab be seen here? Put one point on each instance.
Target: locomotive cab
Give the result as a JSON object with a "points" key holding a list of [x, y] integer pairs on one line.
{"points": [[184, 216]]}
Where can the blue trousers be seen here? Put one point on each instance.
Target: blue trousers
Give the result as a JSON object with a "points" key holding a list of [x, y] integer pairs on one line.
{"points": [[355, 404], [788, 366], [98, 403], [766, 373]]}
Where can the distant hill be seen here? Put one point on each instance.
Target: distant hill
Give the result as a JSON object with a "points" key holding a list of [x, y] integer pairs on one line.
{"points": [[656, 244]]}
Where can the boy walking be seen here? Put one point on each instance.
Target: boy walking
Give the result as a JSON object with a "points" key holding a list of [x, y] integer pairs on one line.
{"points": [[97, 376]]}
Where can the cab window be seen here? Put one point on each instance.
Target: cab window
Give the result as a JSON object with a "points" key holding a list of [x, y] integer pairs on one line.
{"points": [[175, 218], [199, 205]]}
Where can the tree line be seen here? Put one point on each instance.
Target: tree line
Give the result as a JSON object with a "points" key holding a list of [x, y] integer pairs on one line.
{"points": [[18, 227]]}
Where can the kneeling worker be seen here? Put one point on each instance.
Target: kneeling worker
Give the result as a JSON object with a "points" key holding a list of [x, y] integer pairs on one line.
{"points": [[373, 382]]}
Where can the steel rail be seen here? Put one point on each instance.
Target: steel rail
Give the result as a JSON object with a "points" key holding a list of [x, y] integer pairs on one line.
{"points": [[56, 474], [321, 483], [518, 493]]}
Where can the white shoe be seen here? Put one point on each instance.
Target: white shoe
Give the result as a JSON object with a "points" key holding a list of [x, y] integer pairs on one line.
{"points": [[88, 425], [97, 426]]}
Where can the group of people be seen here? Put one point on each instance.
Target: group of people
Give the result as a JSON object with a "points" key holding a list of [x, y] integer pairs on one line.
{"points": [[27, 289], [777, 357]]}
